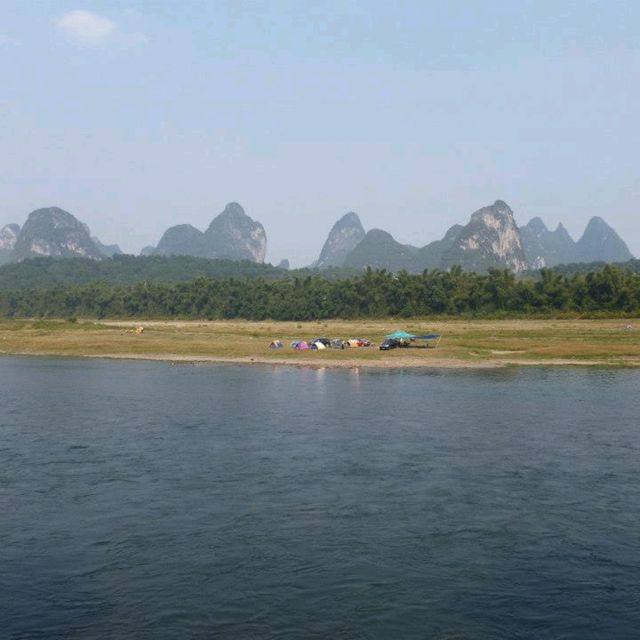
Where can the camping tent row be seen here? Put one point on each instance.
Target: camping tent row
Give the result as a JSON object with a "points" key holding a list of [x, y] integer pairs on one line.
{"points": [[322, 343], [325, 343]]}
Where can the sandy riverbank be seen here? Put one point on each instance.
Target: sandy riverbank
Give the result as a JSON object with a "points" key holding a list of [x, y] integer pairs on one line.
{"points": [[465, 344]]}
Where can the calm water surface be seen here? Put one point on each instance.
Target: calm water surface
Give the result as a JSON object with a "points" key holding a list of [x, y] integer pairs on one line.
{"points": [[154, 501]]}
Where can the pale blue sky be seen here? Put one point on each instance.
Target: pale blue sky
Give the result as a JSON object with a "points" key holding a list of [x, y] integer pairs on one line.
{"points": [[135, 116]]}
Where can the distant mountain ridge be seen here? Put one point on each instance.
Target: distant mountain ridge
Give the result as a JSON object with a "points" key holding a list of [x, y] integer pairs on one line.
{"points": [[232, 235], [8, 236], [107, 250], [54, 232], [51, 232], [491, 239], [545, 248], [600, 240], [598, 243], [180, 240], [379, 249], [344, 236]]}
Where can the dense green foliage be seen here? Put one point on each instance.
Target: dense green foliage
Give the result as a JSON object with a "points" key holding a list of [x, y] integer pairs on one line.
{"points": [[371, 294], [588, 267], [44, 273]]}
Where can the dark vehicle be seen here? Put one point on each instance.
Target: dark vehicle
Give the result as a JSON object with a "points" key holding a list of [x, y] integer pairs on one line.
{"points": [[395, 343], [390, 343]]}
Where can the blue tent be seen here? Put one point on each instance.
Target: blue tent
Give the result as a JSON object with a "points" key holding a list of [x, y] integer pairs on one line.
{"points": [[432, 340]]}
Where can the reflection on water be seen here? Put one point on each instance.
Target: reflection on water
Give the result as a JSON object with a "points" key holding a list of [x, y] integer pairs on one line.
{"points": [[146, 500]]}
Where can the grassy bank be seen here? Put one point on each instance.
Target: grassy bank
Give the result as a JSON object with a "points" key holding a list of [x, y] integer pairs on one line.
{"points": [[465, 343]]}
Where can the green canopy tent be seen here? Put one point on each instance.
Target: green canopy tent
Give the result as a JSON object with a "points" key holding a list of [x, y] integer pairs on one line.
{"points": [[431, 340], [400, 335]]}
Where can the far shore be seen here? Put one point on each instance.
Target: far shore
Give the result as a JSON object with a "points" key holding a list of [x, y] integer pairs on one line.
{"points": [[465, 344]]}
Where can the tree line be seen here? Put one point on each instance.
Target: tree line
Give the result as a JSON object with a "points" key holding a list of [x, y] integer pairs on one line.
{"points": [[372, 294], [47, 272]]}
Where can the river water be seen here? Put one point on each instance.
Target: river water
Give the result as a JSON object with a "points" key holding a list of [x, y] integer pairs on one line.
{"points": [[150, 500]]}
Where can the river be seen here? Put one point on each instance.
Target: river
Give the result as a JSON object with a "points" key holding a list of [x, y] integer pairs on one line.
{"points": [[150, 500]]}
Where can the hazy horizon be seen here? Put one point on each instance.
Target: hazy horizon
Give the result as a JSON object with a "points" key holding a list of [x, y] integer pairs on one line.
{"points": [[275, 261], [135, 116]]}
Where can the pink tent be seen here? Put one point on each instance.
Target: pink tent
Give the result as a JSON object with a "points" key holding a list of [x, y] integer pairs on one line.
{"points": [[302, 346]]}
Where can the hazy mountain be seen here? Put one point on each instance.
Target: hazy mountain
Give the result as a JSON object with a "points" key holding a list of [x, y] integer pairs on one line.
{"points": [[431, 256], [284, 264], [54, 232], [343, 238], [181, 240], [545, 248], [148, 250], [8, 236], [491, 239], [107, 250], [233, 235], [378, 249], [600, 242]]}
